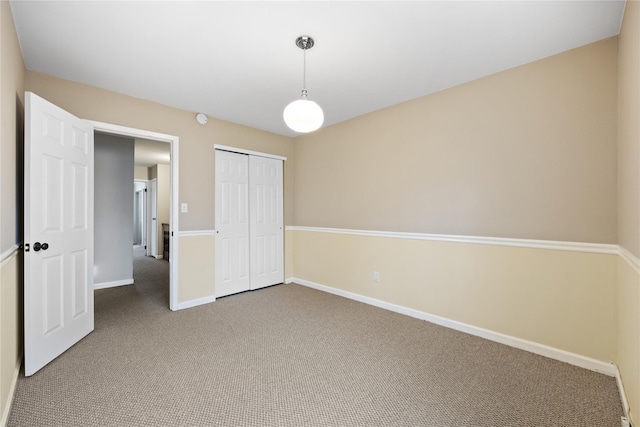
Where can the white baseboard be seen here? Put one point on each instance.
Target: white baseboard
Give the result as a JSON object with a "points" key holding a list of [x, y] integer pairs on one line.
{"points": [[12, 390], [530, 346], [105, 285], [195, 302], [289, 280], [158, 256]]}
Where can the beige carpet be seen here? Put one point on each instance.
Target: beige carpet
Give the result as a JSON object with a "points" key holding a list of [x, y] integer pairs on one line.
{"points": [[292, 356]]}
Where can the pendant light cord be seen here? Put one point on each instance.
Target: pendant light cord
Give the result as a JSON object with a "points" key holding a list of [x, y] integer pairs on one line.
{"points": [[304, 73]]}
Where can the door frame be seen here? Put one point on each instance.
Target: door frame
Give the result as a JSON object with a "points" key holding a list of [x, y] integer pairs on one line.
{"points": [[144, 231], [251, 152], [174, 141]]}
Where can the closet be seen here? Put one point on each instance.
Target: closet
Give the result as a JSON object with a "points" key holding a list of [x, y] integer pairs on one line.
{"points": [[249, 222]]}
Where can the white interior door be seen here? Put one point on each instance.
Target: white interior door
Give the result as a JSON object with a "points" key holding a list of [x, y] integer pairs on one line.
{"points": [[143, 216], [265, 221], [153, 217], [58, 233], [232, 223]]}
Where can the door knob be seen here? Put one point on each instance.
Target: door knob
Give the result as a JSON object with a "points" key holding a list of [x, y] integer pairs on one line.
{"points": [[37, 246]]}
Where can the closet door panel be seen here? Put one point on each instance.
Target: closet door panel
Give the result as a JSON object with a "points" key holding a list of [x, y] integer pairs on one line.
{"points": [[266, 221], [232, 223]]}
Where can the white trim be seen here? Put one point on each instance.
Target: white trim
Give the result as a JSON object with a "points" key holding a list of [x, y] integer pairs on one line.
{"points": [[541, 349], [9, 253], [159, 256], [174, 214], [130, 132], [105, 285], [289, 280], [631, 259], [195, 233], [195, 302], [12, 392], [243, 151], [601, 248], [623, 394]]}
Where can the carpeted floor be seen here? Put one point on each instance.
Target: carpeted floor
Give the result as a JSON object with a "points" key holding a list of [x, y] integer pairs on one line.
{"points": [[293, 356]]}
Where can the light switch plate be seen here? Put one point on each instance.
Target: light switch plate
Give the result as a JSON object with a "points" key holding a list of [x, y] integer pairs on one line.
{"points": [[184, 208]]}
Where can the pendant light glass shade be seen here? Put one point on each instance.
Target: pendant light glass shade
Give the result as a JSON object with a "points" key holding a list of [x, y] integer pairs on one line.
{"points": [[303, 116]]}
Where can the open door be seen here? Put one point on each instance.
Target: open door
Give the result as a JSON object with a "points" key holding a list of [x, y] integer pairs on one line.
{"points": [[58, 231], [152, 203]]}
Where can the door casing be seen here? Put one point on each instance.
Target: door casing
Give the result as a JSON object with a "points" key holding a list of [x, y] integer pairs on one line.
{"points": [[173, 198]]}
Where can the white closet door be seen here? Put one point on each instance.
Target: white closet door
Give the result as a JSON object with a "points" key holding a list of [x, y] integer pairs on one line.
{"points": [[232, 223], [266, 223]]}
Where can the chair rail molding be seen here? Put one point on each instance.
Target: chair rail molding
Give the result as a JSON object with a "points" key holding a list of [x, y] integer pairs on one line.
{"points": [[602, 248]]}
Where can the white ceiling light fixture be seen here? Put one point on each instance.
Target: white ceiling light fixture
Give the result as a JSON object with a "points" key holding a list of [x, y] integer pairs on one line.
{"points": [[303, 115]]}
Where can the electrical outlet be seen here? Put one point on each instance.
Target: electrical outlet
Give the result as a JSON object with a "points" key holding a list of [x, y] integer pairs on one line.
{"points": [[376, 276], [184, 208]]}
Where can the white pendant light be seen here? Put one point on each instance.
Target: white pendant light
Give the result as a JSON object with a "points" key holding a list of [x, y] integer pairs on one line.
{"points": [[303, 115]]}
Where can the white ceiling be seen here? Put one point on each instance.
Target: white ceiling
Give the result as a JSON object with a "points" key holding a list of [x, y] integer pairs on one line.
{"points": [[150, 153], [237, 61]]}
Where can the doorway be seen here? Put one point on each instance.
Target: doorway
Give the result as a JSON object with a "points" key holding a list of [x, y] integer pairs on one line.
{"points": [[172, 142]]}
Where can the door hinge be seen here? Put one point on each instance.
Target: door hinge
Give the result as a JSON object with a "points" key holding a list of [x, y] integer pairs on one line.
{"points": [[172, 234], [145, 246]]}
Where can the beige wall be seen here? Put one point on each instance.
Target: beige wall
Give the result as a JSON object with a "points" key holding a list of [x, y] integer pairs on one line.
{"points": [[529, 152], [141, 173], [196, 155], [11, 146], [628, 327], [196, 267]]}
